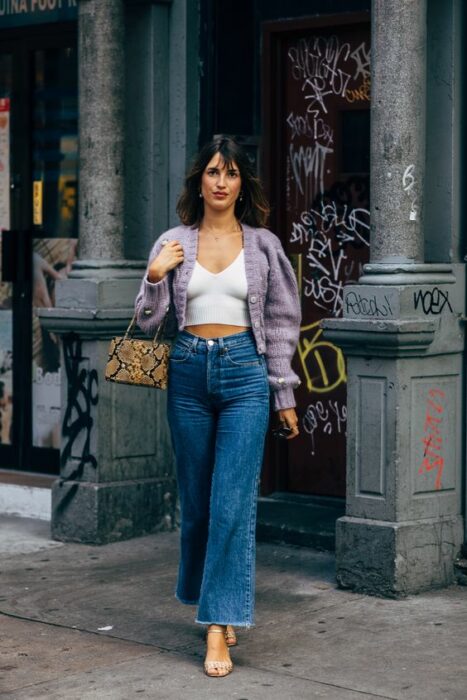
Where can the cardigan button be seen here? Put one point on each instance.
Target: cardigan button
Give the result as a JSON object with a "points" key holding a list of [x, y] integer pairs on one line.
{"points": [[253, 299], [281, 380], [256, 324]]}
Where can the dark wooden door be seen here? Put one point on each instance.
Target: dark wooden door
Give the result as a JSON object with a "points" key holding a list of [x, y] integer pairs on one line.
{"points": [[315, 161]]}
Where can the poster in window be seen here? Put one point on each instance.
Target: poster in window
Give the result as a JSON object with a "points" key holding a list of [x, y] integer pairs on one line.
{"points": [[52, 260]]}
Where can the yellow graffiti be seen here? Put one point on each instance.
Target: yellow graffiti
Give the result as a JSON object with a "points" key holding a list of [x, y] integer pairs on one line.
{"points": [[320, 378], [361, 93]]}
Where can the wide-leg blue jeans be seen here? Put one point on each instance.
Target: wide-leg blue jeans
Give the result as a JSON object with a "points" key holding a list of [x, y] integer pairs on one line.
{"points": [[218, 410]]}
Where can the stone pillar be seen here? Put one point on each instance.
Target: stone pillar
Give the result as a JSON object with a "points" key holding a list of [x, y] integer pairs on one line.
{"points": [[101, 128], [116, 477], [403, 340], [397, 147]]}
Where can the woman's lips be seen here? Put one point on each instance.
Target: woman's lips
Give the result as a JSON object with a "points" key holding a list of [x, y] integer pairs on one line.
{"points": [[220, 195]]}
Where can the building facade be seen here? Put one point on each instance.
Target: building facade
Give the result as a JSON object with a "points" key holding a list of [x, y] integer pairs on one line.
{"points": [[351, 112]]}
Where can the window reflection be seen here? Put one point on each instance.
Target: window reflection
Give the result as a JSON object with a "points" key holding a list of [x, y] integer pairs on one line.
{"points": [[55, 143]]}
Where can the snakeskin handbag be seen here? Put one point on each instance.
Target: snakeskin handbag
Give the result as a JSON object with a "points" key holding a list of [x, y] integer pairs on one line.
{"points": [[140, 362]]}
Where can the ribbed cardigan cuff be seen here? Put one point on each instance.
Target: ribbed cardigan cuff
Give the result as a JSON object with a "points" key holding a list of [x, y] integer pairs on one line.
{"points": [[156, 291], [283, 398]]}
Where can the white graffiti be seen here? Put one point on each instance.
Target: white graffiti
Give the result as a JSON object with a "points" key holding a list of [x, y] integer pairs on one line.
{"points": [[315, 63], [328, 266], [329, 415], [315, 129], [361, 56], [326, 293], [348, 224], [409, 185], [308, 163], [325, 286], [325, 68]]}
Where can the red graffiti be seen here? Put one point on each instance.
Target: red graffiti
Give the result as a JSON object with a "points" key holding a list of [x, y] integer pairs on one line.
{"points": [[432, 438]]}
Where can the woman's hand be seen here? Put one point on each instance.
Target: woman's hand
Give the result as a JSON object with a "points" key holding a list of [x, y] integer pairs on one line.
{"points": [[170, 256], [289, 417]]}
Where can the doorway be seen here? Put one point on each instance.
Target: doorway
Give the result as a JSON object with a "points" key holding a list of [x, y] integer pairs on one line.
{"points": [[38, 218], [315, 163]]}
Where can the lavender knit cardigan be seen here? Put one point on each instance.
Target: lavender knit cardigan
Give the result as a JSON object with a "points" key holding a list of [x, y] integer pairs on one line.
{"points": [[273, 301]]}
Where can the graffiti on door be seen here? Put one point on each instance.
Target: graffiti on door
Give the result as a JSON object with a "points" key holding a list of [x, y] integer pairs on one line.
{"points": [[325, 201]]}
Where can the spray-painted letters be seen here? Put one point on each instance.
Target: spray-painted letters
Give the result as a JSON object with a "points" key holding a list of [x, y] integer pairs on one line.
{"points": [[81, 397], [326, 202], [432, 301], [432, 439], [330, 416]]}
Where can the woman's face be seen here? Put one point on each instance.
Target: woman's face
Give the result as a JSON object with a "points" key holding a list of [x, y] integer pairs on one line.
{"points": [[220, 185]]}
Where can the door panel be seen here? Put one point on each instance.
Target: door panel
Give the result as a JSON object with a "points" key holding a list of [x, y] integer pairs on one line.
{"points": [[38, 75], [316, 157], [54, 198]]}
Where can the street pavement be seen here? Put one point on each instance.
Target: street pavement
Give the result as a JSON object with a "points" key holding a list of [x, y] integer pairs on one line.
{"points": [[88, 623]]}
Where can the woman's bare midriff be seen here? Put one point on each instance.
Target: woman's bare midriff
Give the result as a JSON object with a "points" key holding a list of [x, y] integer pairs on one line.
{"points": [[215, 330]]}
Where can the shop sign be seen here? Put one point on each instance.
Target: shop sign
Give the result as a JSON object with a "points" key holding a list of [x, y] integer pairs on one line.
{"points": [[21, 13]]}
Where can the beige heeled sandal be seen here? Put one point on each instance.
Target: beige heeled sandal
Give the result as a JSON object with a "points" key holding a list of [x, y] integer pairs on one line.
{"points": [[225, 666], [230, 636]]}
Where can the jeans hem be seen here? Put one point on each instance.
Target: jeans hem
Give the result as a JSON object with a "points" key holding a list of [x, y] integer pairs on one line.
{"points": [[247, 625], [186, 602]]}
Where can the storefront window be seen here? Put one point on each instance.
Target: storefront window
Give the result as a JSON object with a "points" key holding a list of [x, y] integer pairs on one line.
{"points": [[55, 143], [54, 191]]}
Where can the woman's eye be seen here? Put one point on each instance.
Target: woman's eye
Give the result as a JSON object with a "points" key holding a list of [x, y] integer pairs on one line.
{"points": [[233, 173]]}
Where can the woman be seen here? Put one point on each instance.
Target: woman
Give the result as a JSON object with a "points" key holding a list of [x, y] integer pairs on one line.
{"points": [[236, 301]]}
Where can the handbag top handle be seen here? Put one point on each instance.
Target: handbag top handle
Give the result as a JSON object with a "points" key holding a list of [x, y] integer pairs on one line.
{"points": [[131, 327]]}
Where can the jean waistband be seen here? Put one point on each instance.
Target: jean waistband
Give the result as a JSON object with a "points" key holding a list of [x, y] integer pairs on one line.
{"points": [[196, 341]]}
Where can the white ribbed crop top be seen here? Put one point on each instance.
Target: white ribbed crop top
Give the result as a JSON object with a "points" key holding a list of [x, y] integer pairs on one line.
{"points": [[218, 297]]}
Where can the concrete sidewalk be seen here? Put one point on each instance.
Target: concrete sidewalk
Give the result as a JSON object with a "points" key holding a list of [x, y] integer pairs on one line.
{"points": [[80, 622]]}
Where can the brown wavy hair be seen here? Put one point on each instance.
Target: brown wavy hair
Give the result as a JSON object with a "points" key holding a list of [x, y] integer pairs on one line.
{"points": [[253, 210]]}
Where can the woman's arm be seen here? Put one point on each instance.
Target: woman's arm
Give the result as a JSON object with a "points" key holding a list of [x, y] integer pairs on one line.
{"points": [[282, 317], [153, 298]]}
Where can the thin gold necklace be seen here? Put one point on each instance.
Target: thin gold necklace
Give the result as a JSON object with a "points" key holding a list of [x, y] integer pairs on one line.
{"points": [[225, 234]]}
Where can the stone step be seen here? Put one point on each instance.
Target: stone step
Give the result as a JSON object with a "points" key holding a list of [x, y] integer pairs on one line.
{"points": [[299, 519], [26, 495]]}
